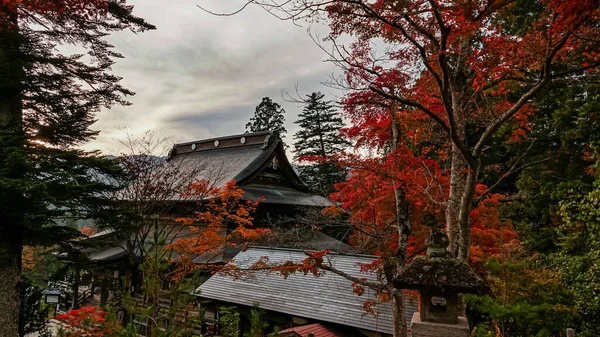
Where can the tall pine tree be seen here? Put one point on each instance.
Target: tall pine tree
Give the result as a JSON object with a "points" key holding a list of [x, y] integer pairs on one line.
{"points": [[268, 116], [47, 105], [316, 143]]}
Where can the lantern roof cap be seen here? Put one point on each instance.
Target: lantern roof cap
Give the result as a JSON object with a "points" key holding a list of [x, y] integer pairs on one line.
{"points": [[440, 273]]}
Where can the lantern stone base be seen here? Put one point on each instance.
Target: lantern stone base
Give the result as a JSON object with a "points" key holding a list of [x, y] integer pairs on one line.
{"points": [[431, 329]]}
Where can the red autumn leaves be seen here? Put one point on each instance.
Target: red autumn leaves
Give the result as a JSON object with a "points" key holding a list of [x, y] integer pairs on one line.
{"points": [[87, 321]]}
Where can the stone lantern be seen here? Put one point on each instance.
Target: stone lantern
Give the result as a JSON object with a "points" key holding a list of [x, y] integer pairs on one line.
{"points": [[439, 279]]}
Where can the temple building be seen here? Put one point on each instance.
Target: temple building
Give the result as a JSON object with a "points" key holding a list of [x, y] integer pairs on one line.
{"points": [[258, 164]]}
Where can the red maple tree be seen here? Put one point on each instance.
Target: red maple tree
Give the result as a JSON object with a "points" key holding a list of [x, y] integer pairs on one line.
{"points": [[429, 84]]}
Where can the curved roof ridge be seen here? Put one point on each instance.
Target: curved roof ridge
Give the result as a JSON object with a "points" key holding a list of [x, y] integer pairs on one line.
{"points": [[208, 140]]}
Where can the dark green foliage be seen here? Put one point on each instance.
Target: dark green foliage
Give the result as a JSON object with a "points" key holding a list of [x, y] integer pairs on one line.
{"points": [[161, 284], [268, 116], [258, 325], [47, 104], [578, 256], [318, 142], [563, 133], [529, 300], [47, 107], [229, 321], [562, 141]]}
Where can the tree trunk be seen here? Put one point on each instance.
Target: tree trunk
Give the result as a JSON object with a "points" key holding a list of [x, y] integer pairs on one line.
{"points": [[75, 286], [465, 212], [403, 227], [14, 204], [106, 283], [457, 188], [10, 281], [458, 178], [398, 313]]}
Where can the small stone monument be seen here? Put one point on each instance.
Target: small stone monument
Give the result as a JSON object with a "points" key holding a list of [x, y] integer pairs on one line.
{"points": [[439, 279]]}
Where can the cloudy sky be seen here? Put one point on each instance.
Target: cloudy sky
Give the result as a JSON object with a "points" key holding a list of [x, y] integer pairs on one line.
{"points": [[200, 76]]}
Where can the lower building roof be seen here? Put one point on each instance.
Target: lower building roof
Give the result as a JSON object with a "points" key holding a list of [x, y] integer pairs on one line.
{"points": [[283, 195], [328, 298]]}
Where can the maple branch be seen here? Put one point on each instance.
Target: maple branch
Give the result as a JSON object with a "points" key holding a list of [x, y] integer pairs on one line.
{"points": [[411, 104], [446, 87], [420, 48], [422, 30], [544, 77], [357, 280], [449, 130], [425, 192], [429, 197], [491, 129], [489, 6], [423, 54], [230, 13]]}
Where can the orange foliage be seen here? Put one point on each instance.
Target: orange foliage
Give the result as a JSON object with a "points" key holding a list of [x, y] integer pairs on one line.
{"points": [[222, 221], [29, 257], [88, 230]]}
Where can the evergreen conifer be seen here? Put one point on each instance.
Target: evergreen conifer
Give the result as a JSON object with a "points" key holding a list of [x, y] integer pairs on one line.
{"points": [[47, 105], [316, 143], [268, 116]]}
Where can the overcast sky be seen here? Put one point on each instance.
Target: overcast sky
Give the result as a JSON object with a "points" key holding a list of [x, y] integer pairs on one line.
{"points": [[199, 76]]}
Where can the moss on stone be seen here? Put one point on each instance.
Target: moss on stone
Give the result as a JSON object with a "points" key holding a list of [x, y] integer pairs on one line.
{"points": [[440, 273]]}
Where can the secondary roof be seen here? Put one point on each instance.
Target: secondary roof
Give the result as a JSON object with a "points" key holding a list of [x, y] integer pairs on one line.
{"points": [[328, 298]]}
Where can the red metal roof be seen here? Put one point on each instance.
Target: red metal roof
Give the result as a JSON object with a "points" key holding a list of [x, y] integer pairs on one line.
{"points": [[318, 330]]}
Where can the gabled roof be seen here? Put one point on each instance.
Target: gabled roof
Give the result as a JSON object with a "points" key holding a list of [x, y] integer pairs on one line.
{"points": [[328, 298], [242, 158]]}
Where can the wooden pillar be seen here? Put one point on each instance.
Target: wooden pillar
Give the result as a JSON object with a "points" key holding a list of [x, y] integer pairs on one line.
{"points": [[75, 286], [106, 281]]}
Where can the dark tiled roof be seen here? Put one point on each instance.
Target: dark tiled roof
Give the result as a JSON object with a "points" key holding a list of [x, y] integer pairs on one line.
{"points": [[242, 158], [283, 195], [305, 239], [109, 254], [328, 298]]}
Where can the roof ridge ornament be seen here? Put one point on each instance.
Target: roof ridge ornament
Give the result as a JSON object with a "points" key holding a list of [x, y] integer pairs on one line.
{"points": [[266, 142]]}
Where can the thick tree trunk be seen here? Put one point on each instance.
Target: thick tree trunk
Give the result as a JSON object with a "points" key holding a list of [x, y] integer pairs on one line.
{"points": [[457, 188], [458, 206], [398, 313], [13, 204], [458, 178], [10, 280], [464, 243], [403, 227]]}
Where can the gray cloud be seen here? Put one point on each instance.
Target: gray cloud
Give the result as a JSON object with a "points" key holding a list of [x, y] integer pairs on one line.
{"points": [[201, 76]]}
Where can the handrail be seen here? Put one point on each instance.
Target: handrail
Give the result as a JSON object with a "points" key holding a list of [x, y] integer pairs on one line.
{"points": [[84, 295]]}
